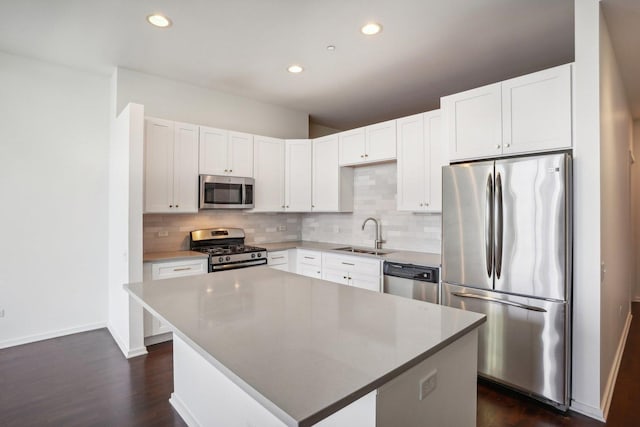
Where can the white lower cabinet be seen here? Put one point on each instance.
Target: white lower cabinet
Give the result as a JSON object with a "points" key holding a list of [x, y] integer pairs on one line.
{"points": [[361, 272], [309, 263], [278, 260], [154, 330]]}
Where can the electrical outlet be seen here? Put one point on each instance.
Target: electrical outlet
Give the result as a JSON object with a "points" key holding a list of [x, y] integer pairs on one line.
{"points": [[428, 384], [164, 233], [282, 228]]}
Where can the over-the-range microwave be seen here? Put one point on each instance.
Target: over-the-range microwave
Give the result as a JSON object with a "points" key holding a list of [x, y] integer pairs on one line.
{"points": [[226, 192]]}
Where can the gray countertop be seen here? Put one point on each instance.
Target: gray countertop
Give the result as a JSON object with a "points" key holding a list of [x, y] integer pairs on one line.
{"points": [[394, 255], [302, 347]]}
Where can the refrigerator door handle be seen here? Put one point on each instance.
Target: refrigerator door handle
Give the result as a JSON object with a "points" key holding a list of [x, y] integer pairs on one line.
{"points": [[499, 225], [488, 225], [500, 301]]}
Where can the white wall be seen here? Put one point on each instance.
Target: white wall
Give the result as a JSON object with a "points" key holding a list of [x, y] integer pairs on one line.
{"points": [[586, 218], [635, 201], [53, 183], [616, 139], [174, 100]]}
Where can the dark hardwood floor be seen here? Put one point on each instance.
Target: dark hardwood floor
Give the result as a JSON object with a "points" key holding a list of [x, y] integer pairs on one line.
{"points": [[83, 380]]}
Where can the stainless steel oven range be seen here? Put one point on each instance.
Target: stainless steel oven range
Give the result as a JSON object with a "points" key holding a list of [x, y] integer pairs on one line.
{"points": [[226, 249]]}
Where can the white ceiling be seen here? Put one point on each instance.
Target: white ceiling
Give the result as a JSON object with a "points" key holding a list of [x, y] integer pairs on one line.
{"points": [[429, 48]]}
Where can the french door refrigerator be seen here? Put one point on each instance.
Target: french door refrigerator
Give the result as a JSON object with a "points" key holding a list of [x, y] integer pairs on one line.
{"points": [[506, 247]]}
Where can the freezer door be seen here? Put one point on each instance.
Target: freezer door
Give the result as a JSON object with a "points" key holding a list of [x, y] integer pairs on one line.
{"points": [[523, 343], [531, 217], [467, 233]]}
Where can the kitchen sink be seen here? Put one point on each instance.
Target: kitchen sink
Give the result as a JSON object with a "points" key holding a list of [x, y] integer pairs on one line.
{"points": [[363, 251]]}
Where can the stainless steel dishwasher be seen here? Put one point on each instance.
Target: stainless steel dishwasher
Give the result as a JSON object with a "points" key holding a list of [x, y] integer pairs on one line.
{"points": [[411, 281]]}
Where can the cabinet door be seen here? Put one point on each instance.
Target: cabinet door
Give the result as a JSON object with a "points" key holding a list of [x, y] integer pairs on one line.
{"points": [[214, 151], [361, 281], [310, 271], [412, 155], [185, 168], [536, 111], [158, 165], [474, 122], [352, 146], [167, 270], [380, 141], [326, 175], [298, 175], [336, 276], [436, 158], [269, 171], [240, 154]]}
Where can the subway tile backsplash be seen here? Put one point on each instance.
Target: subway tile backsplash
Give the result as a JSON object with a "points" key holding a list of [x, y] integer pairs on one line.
{"points": [[374, 195]]}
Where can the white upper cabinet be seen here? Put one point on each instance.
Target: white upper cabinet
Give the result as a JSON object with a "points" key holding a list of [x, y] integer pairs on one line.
{"points": [[421, 155], [474, 122], [375, 143], [332, 185], [536, 111], [269, 170], [352, 146], [298, 175], [171, 167], [224, 152], [381, 142], [282, 174], [526, 114]]}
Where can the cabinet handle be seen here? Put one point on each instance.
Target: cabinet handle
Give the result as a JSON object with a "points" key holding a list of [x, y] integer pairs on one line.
{"points": [[283, 206], [366, 155], [498, 146], [226, 170], [426, 204], [344, 277], [277, 257], [348, 263], [182, 269], [313, 206], [177, 206], [230, 170], [310, 257], [421, 204], [362, 156], [287, 206], [508, 145], [170, 206]]}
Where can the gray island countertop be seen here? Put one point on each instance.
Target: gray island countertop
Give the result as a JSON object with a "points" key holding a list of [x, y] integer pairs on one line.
{"points": [[302, 347]]}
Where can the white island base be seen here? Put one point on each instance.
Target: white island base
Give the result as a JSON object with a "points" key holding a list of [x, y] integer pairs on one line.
{"points": [[439, 391]]}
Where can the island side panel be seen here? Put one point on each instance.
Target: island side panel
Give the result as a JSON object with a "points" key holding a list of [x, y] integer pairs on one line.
{"points": [[203, 396], [452, 403]]}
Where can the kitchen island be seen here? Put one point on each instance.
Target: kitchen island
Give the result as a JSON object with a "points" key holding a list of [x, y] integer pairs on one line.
{"points": [[261, 347]]}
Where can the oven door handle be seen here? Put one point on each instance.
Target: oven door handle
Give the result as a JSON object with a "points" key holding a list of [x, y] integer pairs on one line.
{"points": [[220, 267]]}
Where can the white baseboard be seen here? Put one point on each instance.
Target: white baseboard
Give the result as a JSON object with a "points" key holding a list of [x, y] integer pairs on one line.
{"points": [[613, 374], [51, 334], [124, 348], [636, 299], [157, 339], [588, 410], [182, 410]]}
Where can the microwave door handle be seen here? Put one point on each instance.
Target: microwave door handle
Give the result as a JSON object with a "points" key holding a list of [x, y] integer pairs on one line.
{"points": [[244, 194]]}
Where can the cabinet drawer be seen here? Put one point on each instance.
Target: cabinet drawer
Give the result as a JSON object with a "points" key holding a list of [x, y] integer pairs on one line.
{"points": [[309, 257], [362, 265], [166, 270], [278, 258]]}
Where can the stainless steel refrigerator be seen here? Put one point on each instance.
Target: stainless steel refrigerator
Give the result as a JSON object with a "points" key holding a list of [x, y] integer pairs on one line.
{"points": [[506, 247]]}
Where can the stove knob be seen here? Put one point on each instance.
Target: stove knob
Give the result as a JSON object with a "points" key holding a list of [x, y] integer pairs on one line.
{"points": [[253, 255], [221, 259], [259, 254], [228, 258]]}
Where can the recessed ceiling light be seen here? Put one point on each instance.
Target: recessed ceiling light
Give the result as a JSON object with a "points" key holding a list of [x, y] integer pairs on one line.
{"points": [[295, 69], [159, 20], [371, 28], [331, 48]]}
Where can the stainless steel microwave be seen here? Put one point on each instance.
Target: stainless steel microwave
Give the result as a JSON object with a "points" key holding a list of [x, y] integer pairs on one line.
{"points": [[226, 192]]}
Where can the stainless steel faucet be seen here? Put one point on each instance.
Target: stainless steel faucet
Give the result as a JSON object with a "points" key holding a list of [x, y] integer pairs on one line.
{"points": [[378, 241]]}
